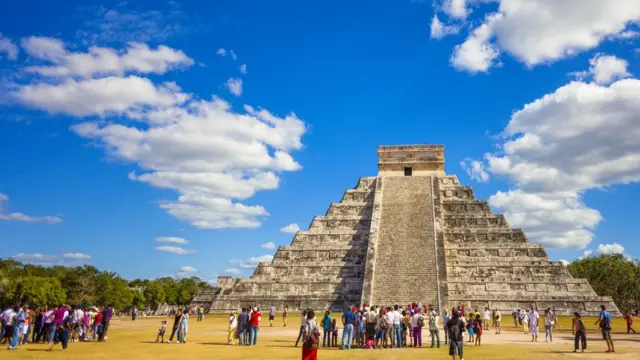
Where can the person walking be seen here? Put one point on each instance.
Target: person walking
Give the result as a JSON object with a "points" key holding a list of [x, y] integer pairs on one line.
{"points": [[434, 329], [498, 318], [272, 315], [348, 320], [17, 323], [486, 317], [243, 327], [604, 320], [455, 329], [326, 328], [303, 323], [579, 331], [311, 338], [183, 329], [177, 319], [445, 320], [533, 324], [107, 314], [629, 321], [548, 326], [285, 313], [233, 327]]}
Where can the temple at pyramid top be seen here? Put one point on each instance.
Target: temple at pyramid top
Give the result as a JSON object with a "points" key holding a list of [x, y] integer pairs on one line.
{"points": [[410, 160], [410, 234]]}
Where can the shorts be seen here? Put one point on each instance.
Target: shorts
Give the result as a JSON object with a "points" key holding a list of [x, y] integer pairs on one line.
{"points": [[161, 333], [272, 317], [470, 332], [497, 323], [606, 334], [455, 346]]}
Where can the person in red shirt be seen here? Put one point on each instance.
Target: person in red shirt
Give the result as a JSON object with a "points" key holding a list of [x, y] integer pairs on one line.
{"points": [[97, 323], [256, 316], [627, 317]]}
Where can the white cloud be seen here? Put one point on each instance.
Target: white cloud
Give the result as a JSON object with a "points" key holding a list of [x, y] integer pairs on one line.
{"points": [[234, 86], [175, 250], [221, 52], [36, 257], [243, 69], [252, 262], [233, 55], [440, 30], [231, 271], [564, 262], [76, 255], [605, 69], [580, 137], [475, 169], [171, 239], [101, 97], [268, 245], [8, 48], [539, 31], [608, 249], [17, 216], [455, 8], [102, 61], [188, 269], [586, 253], [477, 53], [290, 229]]}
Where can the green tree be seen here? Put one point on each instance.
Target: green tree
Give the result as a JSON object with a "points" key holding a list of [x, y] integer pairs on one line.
{"points": [[155, 295]]}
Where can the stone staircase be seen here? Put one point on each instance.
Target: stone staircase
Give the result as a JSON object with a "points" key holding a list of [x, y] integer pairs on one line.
{"points": [[405, 264]]}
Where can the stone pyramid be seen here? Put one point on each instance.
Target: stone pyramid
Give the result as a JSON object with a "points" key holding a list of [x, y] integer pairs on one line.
{"points": [[410, 234]]}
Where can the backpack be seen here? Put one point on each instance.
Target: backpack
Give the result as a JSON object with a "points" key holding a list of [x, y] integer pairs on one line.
{"points": [[383, 322], [421, 322], [605, 324], [313, 338]]}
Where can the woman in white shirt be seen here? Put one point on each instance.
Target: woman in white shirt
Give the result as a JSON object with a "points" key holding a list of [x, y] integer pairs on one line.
{"points": [[233, 324]]}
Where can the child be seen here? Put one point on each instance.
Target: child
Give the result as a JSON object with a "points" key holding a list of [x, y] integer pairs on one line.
{"points": [[477, 329], [161, 331], [334, 333], [470, 328], [579, 331]]}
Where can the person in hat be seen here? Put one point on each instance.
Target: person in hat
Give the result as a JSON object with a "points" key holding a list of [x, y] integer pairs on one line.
{"points": [[579, 331]]}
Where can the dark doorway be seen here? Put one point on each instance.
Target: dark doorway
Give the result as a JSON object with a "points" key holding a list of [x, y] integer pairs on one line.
{"points": [[407, 171]]}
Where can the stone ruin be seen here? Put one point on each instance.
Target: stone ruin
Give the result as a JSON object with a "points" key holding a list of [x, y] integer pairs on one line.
{"points": [[410, 234]]}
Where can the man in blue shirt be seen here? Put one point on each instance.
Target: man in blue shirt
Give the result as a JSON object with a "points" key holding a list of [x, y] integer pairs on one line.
{"points": [[605, 327], [18, 327], [348, 319]]}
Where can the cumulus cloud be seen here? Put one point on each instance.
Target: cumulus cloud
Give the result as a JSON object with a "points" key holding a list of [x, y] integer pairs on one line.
{"points": [[18, 216], [581, 136], [290, 229], [233, 271], [564, 262], [268, 245], [76, 255], [233, 55], [37, 257], [221, 52], [8, 48], [188, 269], [609, 249], [137, 57], [440, 30], [234, 86], [475, 170], [539, 31], [243, 69], [605, 69], [251, 262], [175, 250], [171, 239]]}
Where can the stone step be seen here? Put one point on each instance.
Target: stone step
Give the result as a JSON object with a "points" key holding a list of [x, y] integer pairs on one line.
{"points": [[457, 192], [361, 209], [366, 183], [484, 235], [466, 207], [356, 195], [463, 221], [347, 223]]}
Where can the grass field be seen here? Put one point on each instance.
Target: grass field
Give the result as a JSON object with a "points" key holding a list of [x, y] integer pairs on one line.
{"points": [[207, 339]]}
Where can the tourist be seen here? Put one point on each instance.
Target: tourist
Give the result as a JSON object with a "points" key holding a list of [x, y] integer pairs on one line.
{"points": [[470, 329], [434, 329], [177, 319], [381, 328], [397, 327], [183, 329], [244, 322], [455, 329], [285, 313], [107, 314], [200, 313], [604, 320], [478, 329], [359, 327], [390, 330], [26, 328], [233, 327], [303, 323], [629, 320], [63, 331], [555, 317], [161, 331], [97, 323], [533, 317], [580, 332], [334, 333], [548, 326], [417, 323], [256, 316], [311, 335], [7, 327], [38, 322], [524, 318], [370, 326], [486, 316], [77, 315], [516, 316], [272, 314], [348, 320], [498, 325], [405, 327], [326, 328], [17, 322], [445, 320]]}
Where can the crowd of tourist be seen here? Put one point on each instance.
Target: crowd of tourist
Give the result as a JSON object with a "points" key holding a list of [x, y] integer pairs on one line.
{"points": [[59, 324]]}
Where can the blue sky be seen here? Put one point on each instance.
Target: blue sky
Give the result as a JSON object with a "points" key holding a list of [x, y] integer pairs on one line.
{"points": [[212, 125]]}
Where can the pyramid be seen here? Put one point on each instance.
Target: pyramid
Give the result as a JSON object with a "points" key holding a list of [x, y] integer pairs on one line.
{"points": [[410, 234]]}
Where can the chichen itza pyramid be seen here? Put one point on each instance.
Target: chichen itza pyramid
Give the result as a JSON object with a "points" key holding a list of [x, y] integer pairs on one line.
{"points": [[410, 234]]}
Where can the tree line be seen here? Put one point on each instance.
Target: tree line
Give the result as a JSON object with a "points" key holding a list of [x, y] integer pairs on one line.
{"points": [[39, 286]]}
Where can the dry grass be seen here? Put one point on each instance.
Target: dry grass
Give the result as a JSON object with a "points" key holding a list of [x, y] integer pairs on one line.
{"points": [[207, 339]]}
